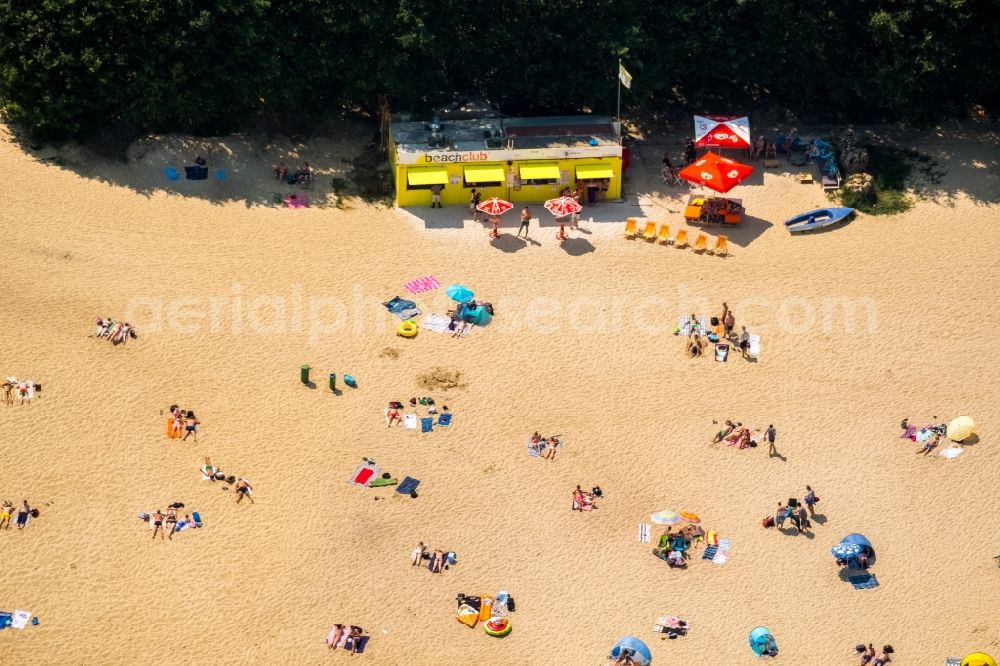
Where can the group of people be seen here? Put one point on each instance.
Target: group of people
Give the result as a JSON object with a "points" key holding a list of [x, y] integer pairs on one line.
{"points": [[341, 634], [162, 522], [22, 389], [673, 546], [869, 657], [394, 410], [741, 437], [185, 420], [20, 516], [584, 501], [115, 331], [928, 437], [242, 487], [726, 322], [798, 513], [763, 149], [545, 447], [302, 176], [438, 559]]}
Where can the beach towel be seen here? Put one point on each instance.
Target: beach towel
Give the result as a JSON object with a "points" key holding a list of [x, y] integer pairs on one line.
{"points": [[909, 433], [382, 483], [950, 452], [410, 421], [436, 323], [5, 619], [754, 349], [534, 451], [720, 558], [444, 420], [721, 353], [710, 552], [427, 424], [408, 485], [423, 284], [684, 325], [863, 581], [643, 532], [20, 620], [171, 173], [196, 517], [725, 544], [363, 474]]}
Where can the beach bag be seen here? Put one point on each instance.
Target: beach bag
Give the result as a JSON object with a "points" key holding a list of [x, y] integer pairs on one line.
{"points": [[34, 513], [768, 522]]}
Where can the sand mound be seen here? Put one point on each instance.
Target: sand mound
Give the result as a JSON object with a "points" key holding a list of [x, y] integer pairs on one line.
{"points": [[441, 379]]}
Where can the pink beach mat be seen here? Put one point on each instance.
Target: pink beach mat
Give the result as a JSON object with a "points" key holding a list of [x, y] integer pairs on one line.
{"points": [[297, 200], [423, 284]]}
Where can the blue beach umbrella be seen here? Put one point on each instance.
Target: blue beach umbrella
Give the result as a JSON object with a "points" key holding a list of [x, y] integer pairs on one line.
{"points": [[762, 642], [843, 551], [459, 293], [641, 655], [477, 315]]}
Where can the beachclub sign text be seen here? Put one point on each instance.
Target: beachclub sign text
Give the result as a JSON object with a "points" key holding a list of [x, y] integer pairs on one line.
{"points": [[473, 156]]}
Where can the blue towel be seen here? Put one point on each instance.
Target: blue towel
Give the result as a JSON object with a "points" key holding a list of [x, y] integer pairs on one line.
{"points": [[710, 552], [427, 424], [5, 619], [397, 305], [362, 642], [197, 518], [172, 173], [407, 485], [863, 581], [444, 419]]}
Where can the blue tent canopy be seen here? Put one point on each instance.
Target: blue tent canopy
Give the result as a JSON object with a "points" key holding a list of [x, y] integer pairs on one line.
{"points": [[475, 314], [762, 642], [641, 655], [865, 544]]}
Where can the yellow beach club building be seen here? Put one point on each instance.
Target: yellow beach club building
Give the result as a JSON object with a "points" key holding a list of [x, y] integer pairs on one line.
{"points": [[522, 160]]}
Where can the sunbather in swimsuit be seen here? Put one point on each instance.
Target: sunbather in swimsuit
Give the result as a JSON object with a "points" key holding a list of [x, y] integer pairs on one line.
{"points": [[725, 431]]}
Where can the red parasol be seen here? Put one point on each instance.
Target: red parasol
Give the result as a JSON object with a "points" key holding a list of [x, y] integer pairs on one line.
{"points": [[494, 206], [717, 173], [723, 131], [563, 206]]}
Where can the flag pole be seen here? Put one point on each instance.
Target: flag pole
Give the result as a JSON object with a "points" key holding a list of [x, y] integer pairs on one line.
{"points": [[618, 112]]}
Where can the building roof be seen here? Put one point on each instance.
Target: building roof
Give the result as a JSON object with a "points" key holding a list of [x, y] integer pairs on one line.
{"points": [[510, 133]]}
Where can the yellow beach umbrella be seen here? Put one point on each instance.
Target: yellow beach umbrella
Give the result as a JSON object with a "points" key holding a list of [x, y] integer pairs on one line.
{"points": [[689, 517], [961, 428], [979, 659]]}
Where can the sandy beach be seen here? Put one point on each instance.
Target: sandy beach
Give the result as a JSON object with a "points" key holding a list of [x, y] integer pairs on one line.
{"points": [[863, 325]]}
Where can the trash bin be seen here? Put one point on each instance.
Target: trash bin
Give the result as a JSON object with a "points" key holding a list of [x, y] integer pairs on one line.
{"points": [[333, 381], [304, 373]]}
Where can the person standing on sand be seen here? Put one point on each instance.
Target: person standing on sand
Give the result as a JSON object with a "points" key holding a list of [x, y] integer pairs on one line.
{"points": [[770, 434], [744, 341], [525, 219], [243, 489], [728, 322], [810, 500], [803, 517]]}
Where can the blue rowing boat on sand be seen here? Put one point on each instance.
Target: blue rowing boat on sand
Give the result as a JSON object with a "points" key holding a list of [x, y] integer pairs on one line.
{"points": [[817, 219]]}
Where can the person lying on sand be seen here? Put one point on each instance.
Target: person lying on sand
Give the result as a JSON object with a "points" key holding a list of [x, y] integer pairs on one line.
{"points": [[191, 424], [243, 489], [695, 346], [337, 631], [583, 501], [355, 638], [6, 512], [437, 561], [158, 523], [929, 445], [726, 429], [392, 416], [554, 445], [170, 522], [417, 554], [881, 659], [693, 326], [866, 654]]}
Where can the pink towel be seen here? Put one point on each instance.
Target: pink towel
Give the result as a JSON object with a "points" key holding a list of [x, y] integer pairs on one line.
{"points": [[297, 200], [423, 284]]}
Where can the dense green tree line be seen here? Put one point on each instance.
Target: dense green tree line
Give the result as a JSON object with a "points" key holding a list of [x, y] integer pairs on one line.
{"points": [[68, 67]]}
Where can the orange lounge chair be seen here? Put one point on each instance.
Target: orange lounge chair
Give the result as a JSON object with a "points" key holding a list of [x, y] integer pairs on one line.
{"points": [[700, 243], [721, 246], [650, 232], [682, 238], [664, 236], [630, 227]]}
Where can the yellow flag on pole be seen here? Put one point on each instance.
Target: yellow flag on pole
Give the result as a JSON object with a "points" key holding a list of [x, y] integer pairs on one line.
{"points": [[624, 76]]}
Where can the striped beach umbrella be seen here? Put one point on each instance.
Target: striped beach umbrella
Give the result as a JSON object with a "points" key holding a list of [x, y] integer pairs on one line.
{"points": [[666, 518]]}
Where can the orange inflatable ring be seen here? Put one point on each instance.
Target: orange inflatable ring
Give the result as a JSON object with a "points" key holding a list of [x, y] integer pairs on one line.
{"points": [[407, 329], [498, 627]]}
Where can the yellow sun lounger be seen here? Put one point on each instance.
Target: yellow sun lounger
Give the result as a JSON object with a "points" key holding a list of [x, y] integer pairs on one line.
{"points": [[682, 238], [664, 236], [650, 232], [630, 227], [721, 245], [700, 243]]}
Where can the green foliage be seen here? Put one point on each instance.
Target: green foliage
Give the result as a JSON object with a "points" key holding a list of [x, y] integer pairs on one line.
{"points": [[69, 67], [893, 171]]}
